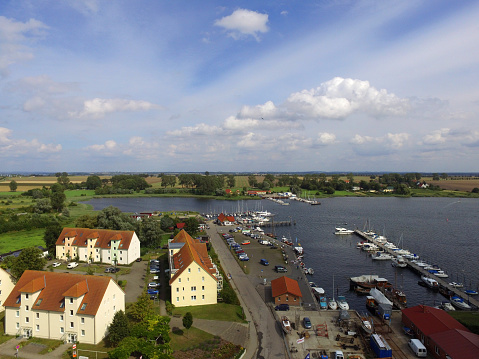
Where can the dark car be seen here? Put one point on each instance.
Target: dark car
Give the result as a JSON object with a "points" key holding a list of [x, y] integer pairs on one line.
{"points": [[264, 262], [152, 291], [307, 323], [282, 307], [114, 270], [280, 269], [138, 259]]}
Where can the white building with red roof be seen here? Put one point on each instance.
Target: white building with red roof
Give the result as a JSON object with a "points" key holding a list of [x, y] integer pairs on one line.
{"points": [[194, 278], [62, 306], [98, 245]]}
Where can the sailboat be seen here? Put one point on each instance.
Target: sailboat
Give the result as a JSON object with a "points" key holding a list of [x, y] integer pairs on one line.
{"points": [[332, 304]]}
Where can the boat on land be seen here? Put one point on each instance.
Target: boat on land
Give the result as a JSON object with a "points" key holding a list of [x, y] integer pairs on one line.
{"points": [[366, 324], [340, 230], [398, 262], [459, 303], [430, 283], [286, 324]]}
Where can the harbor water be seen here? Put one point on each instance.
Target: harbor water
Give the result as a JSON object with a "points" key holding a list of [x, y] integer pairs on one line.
{"points": [[441, 231]]}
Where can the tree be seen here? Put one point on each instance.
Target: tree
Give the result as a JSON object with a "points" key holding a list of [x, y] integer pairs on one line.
{"points": [[42, 205], [52, 232], [118, 329], [188, 320], [150, 232], [63, 180], [252, 182], [13, 185], [87, 221], [112, 218], [475, 190], [444, 176], [231, 180], [166, 222], [191, 226], [29, 258], [57, 201], [142, 308], [435, 177], [93, 182]]}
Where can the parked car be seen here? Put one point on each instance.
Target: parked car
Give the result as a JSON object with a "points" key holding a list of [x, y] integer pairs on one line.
{"points": [[107, 270], [244, 258], [154, 270], [152, 291], [264, 262], [307, 323], [56, 264], [282, 307], [114, 270], [153, 285], [280, 269], [245, 242], [138, 259], [72, 265]]}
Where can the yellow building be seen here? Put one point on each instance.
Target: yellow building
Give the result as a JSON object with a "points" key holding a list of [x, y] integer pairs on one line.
{"points": [[62, 306], [6, 286], [194, 279], [98, 245]]}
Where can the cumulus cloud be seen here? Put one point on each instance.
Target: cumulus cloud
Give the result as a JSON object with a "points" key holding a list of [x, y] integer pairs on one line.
{"points": [[325, 138], [108, 145], [201, 129], [390, 140], [99, 107], [13, 36], [340, 97], [15, 147], [243, 22], [437, 137]]}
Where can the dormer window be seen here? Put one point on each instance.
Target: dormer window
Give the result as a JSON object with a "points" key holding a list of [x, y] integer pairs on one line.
{"points": [[62, 304], [83, 306], [19, 299], [39, 302]]}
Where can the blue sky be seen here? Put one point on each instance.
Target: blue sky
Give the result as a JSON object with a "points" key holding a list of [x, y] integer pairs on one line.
{"points": [[144, 85]]}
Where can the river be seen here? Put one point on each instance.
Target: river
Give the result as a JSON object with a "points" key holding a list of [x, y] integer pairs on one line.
{"points": [[442, 231]]}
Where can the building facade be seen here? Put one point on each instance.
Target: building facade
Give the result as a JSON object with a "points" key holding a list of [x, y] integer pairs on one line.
{"points": [[6, 286], [98, 246], [286, 291], [62, 306], [194, 279]]}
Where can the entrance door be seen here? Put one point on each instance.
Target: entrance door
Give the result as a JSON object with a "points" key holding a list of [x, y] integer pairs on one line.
{"points": [[27, 333], [72, 338]]}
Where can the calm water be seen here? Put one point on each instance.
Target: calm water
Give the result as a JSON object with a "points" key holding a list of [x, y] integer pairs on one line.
{"points": [[442, 231]]}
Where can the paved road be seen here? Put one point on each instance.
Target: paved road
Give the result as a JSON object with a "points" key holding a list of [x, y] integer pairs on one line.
{"points": [[267, 342]]}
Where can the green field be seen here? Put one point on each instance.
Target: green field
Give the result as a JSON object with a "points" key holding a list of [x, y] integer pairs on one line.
{"points": [[13, 241], [220, 311]]}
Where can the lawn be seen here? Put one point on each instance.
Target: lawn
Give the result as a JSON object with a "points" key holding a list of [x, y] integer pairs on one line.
{"points": [[13, 241], [98, 351], [182, 339], [220, 311], [3, 338]]}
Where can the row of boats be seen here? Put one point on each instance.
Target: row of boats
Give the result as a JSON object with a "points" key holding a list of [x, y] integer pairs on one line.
{"points": [[331, 303]]}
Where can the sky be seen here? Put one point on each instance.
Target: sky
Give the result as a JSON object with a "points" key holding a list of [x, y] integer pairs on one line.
{"points": [[239, 86]]}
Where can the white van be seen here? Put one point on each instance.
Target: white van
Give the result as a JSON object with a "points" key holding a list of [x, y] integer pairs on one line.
{"points": [[338, 355], [418, 348]]}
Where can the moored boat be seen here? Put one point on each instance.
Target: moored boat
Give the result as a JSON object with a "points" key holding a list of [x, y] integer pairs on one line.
{"points": [[456, 285], [342, 303], [381, 256], [431, 283], [340, 230], [323, 303], [365, 281], [470, 291], [398, 262], [459, 303], [332, 304], [362, 291], [447, 306]]}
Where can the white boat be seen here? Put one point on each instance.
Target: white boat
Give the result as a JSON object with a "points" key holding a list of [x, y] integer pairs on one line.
{"points": [[411, 256], [332, 304], [456, 285], [318, 292], [399, 262], [286, 324], [381, 256], [438, 273], [340, 230], [431, 283], [342, 304], [459, 303], [447, 306]]}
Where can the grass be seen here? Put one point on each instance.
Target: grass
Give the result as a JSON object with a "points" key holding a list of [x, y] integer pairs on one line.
{"points": [[469, 319], [220, 311], [82, 350], [182, 339], [3, 337], [49, 344], [13, 241]]}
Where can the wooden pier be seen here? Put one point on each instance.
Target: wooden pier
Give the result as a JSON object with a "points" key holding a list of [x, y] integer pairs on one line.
{"points": [[422, 271], [278, 224]]}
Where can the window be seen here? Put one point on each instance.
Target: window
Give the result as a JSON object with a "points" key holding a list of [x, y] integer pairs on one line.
{"points": [[189, 270], [26, 308], [114, 296], [193, 297], [193, 289], [27, 320], [26, 295], [203, 296], [83, 333], [436, 349], [177, 289], [17, 325], [37, 327], [83, 320], [177, 299], [62, 304], [83, 306], [62, 330], [199, 270], [39, 302], [71, 313], [71, 324], [202, 287], [17, 313], [38, 315], [203, 279], [71, 300], [179, 280], [61, 317]]}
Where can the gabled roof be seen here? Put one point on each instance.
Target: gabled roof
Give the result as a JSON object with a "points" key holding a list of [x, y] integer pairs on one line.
{"points": [[191, 251], [103, 237], [54, 287], [285, 285], [431, 320], [458, 343]]}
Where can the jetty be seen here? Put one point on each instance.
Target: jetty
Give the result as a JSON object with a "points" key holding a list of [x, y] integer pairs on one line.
{"points": [[421, 271]]}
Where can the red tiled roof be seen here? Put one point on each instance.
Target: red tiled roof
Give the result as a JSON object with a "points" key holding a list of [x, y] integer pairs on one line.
{"points": [[192, 251], [285, 285], [431, 320], [222, 218], [180, 225], [103, 237], [54, 286], [458, 343]]}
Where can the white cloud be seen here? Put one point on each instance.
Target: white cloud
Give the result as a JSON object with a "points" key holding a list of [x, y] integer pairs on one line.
{"points": [[325, 138], [108, 145], [284, 13], [86, 7], [392, 141], [99, 107], [16, 147], [244, 22], [201, 129], [437, 137], [13, 35], [339, 98]]}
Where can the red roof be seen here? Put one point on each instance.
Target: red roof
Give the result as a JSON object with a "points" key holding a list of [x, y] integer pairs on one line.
{"points": [[431, 320], [103, 237], [180, 225], [285, 285], [222, 218], [458, 343]]}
